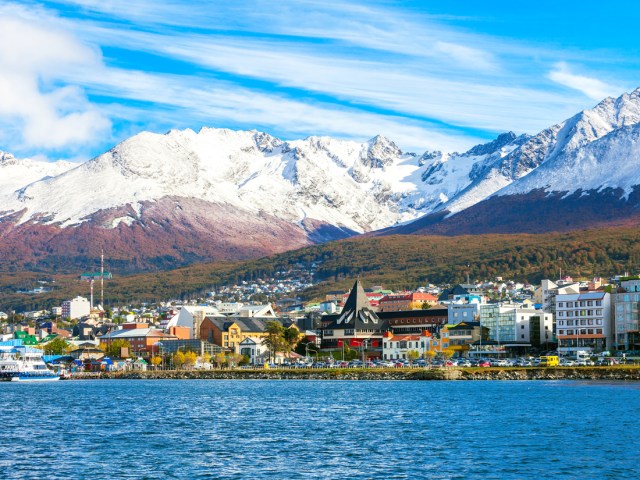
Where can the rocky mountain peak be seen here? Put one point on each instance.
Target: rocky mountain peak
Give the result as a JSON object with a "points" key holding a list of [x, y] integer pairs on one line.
{"points": [[381, 152]]}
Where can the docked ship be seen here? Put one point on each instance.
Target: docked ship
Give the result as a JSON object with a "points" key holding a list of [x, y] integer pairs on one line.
{"points": [[20, 363]]}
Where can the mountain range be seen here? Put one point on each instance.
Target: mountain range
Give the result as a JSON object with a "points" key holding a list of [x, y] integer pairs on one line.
{"points": [[159, 201]]}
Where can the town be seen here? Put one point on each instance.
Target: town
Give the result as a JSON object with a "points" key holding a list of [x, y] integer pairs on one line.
{"points": [[496, 323]]}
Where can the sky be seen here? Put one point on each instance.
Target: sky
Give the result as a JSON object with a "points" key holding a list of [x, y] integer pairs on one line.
{"points": [[77, 77]]}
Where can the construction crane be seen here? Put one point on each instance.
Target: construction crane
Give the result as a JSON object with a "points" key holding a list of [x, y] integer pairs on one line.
{"points": [[91, 277]]}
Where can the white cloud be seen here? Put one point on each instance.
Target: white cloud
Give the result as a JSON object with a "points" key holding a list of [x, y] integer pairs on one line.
{"points": [[33, 104], [467, 57], [591, 87]]}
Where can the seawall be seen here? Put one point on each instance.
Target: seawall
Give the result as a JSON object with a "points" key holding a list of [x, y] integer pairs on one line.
{"points": [[629, 373]]}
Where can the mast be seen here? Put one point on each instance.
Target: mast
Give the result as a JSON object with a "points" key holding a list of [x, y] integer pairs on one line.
{"points": [[102, 278]]}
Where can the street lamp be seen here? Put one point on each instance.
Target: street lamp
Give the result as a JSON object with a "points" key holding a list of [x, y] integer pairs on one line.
{"points": [[363, 345]]}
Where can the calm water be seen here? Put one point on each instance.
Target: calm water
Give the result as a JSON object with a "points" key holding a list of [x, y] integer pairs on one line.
{"points": [[315, 429]]}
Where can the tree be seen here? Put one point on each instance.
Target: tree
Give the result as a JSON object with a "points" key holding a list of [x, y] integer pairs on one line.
{"points": [[426, 305], [190, 359], [156, 361], [291, 337], [220, 359], [178, 359], [113, 348], [206, 358], [274, 340], [245, 360], [429, 354], [57, 346], [448, 353], [413, 355], [233, 359]]}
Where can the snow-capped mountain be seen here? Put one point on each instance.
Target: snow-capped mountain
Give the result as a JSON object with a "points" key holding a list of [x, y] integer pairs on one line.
{"points": [[215, 194], [576, 174], [185, 196], [21, 172]]}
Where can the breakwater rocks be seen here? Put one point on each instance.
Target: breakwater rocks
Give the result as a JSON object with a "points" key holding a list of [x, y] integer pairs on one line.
{"points": [[630, 373]]}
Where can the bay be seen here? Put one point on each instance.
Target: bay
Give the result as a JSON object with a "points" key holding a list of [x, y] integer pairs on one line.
{"points": [[216, 429]]}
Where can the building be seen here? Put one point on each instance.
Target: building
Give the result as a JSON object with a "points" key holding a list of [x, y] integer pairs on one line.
{"points": [[415, 321], [356, 326], [143, 339], [463, 312], [461, 336], [406, 301], [191, 317], [229, 332], [170, 346], [516, 327], [626, 312], [77, 308], [583, 322], [399, 346]]}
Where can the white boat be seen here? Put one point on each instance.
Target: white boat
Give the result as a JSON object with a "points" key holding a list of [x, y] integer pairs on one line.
{"points": [[23, 364]]}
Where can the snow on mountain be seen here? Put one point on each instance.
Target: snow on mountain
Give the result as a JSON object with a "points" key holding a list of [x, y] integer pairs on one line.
{"points": [[595, 149], [355, 186], [465, 179], [16, 173]]}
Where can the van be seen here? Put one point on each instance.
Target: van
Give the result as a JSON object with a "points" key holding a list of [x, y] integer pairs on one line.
{"points": [[549, 361]]}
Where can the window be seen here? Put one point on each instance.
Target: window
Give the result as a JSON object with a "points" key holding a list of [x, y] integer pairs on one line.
{"points": [[522, 336], [521, 327], [569, 304], [328, 333], [599, 331], [598, 303], [561, 304]]}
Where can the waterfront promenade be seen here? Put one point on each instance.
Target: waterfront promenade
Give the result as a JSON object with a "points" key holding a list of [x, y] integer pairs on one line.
{"points": [[627, 372]]}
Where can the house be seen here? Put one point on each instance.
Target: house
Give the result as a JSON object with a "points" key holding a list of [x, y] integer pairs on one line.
{"points": [[229, 332], [252, 348], [399, 346], [356, 326], [143, 339]]}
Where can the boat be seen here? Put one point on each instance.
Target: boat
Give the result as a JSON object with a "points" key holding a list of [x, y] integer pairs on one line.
{"points": [[20, 363]]}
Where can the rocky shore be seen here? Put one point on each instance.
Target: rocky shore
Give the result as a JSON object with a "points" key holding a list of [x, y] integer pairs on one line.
{"points": [[629, 373]]}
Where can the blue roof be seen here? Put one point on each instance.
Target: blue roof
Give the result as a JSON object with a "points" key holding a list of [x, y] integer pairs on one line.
{"points": [[592, 296]]}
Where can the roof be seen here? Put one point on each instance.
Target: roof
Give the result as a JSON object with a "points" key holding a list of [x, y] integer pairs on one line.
{"points": [[246, 324], [463, 325], [357, 312], [430, 312], [134, 333]]}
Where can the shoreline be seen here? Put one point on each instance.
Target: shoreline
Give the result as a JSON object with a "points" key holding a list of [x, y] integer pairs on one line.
{"points": [[627, 373]]}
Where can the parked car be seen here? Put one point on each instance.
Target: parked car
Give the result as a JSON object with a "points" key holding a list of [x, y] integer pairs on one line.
{"points": [[484, 363]]}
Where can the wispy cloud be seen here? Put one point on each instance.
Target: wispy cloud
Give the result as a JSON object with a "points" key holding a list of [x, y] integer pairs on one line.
{"points": [[348, 69], [591, 87]]}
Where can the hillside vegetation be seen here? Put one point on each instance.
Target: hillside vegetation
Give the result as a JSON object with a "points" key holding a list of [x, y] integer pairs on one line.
{"points": [[396, 262]]}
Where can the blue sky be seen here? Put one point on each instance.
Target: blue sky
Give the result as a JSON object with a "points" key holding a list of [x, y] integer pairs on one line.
{"points": [[79, 76]]}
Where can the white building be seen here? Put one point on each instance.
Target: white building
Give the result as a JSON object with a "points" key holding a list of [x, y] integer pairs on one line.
{"points": [[191, 316], [516, 325], [396, 347], [77, 308], [583, 322]]}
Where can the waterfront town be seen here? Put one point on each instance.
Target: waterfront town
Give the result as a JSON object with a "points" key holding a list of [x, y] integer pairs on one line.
{"points": [[497, 323]]}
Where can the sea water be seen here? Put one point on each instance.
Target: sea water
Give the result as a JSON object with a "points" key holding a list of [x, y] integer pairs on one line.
{"points": [[244, 429]]}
